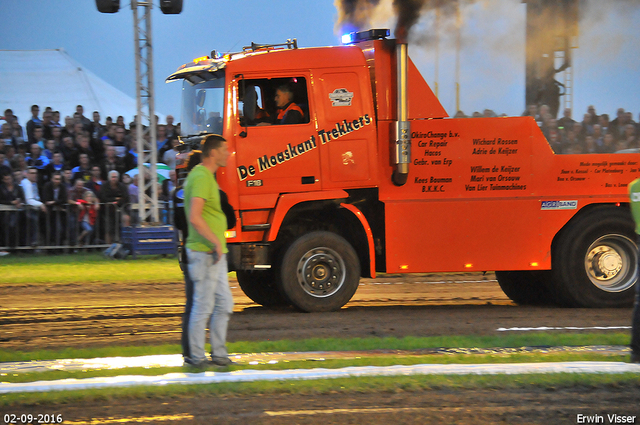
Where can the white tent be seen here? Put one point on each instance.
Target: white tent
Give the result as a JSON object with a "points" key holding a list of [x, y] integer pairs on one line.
{"points": [[60, 82]]}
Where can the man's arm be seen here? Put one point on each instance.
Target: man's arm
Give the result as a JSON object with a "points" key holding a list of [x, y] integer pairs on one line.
{"points": [[198, 223]]}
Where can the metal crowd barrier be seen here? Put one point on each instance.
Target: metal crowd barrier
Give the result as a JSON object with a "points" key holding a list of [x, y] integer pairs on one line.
{"points": [[60, 228]]}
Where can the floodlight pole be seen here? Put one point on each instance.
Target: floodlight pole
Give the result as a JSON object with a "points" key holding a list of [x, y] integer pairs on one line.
{"points": [[146, 145]]}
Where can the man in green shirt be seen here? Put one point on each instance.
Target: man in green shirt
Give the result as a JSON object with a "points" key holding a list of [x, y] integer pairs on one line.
{"points": [[212, 302], [634, 196]]}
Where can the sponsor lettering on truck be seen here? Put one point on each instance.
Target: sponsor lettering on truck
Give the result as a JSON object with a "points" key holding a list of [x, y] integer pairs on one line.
{"points": [[377, 178]]}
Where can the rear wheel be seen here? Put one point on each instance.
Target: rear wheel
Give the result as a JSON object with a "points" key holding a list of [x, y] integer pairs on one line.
{"points": [[595, 263], [320, 271], [526, 287], [260, 287]]}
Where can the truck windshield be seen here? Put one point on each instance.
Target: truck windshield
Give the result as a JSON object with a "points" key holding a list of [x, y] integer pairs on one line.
{"points": [[202, 107]]}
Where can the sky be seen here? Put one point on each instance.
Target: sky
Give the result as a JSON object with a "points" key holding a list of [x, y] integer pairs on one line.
{"points": [[606, 63]]}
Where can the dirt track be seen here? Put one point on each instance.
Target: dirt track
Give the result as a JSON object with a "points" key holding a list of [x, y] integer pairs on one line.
{"points": [[56, 316]]}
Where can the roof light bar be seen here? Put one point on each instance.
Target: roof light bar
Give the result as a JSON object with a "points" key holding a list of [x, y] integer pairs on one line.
{"points": [[372, 34]]}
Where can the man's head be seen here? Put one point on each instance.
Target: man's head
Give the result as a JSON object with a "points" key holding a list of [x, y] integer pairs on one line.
{"points": [[214, 148], [56, 179], [6, 130], [114, 177], [46, 117], [169, 119], [120, 133], [38, 132], [67, 174], [83, 140], [95, 172], [8, 115], [84, 160], [32, 174], [80, 110], [35, 150], [96, 116], [609, 139], [57, 158], [284, 95], [35, 110], [78, 184], [56, 132], [7, 179], [111, 152], [18, 175]]}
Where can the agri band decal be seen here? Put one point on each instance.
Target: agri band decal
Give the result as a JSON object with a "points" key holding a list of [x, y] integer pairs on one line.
{"points": [[559, 205]]}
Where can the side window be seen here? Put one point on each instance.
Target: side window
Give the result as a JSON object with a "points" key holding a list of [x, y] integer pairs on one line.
{"points": [[273, 101]]}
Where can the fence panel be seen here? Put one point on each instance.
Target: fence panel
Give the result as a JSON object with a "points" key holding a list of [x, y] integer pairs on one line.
{"points": [[65, 228]]}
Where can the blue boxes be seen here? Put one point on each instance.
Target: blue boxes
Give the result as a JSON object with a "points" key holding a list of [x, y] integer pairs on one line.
{"points": [[150, 240]]}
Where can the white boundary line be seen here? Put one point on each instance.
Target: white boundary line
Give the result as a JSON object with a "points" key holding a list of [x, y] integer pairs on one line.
{"points": [[561, 328], [320, 373]]}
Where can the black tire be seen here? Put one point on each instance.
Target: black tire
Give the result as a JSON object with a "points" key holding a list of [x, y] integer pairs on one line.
{"points": [[320, 271], [260, 286], [526, 287], [595, 262]]}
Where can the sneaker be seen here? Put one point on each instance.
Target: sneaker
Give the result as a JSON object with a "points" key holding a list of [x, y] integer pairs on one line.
{"points": [[202, 364], [635, 357], [222, 361]]}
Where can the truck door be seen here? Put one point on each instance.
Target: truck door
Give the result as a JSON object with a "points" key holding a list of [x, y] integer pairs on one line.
{"points": [[274, 157], [347, 127]]}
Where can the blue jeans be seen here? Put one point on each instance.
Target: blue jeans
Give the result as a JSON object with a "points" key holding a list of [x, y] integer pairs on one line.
{"points": [[212, 304]]}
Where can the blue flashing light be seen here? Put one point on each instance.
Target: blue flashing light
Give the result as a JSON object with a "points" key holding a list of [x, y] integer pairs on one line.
{"points": [[347, 38], [373, 34]]}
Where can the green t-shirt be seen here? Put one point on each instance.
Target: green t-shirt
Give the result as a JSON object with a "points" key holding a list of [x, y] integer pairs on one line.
{"points": [[202, 184], [634, 196]]}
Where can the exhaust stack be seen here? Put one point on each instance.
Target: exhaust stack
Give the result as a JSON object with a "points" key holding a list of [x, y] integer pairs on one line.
{"points": [[403, 127]]}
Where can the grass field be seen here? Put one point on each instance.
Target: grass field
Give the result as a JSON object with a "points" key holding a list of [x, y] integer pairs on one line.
{"points": [[86, 268], [384, 384]]}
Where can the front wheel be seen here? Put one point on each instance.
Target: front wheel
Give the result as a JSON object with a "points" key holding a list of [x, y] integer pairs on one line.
{"points": [[595, 263], [320, 271]]}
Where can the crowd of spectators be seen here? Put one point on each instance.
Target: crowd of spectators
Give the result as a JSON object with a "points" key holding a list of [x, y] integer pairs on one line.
{"points": [[594, 134], [71, 178]]}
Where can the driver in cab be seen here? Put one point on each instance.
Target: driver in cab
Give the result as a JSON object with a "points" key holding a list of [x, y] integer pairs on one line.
{"points": [[288, 111]]}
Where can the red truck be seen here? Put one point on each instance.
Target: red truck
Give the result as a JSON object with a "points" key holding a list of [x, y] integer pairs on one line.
{"points": [[376, 178]]}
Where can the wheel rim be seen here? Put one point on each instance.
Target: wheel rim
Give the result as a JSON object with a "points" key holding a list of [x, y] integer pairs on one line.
{"points": [[321, 272], [610, 263]]}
